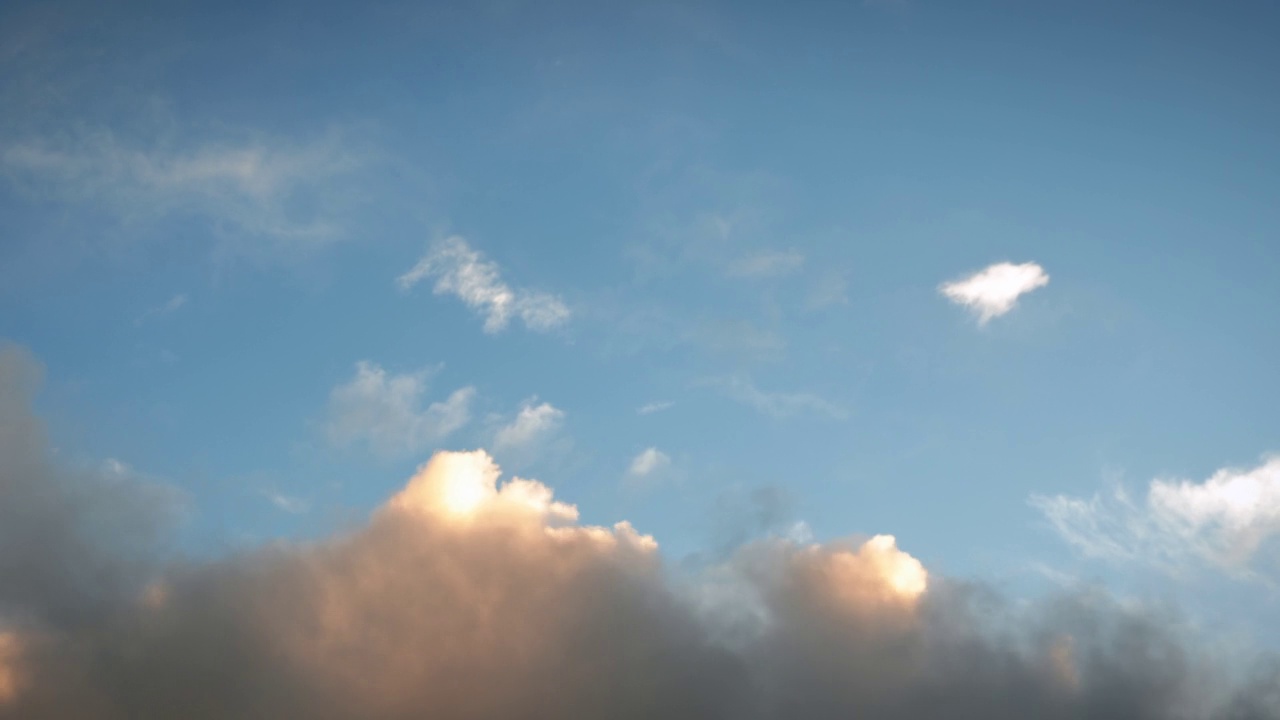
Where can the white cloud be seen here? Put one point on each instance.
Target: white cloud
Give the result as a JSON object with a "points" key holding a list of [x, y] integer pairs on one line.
{"points": [[171, 306], [767, 264], [653, 407], [776, 404], [1222, 522], [649, 461], [386, 411], [994, 291], [532, 424], [260, 196], [464, 272]]}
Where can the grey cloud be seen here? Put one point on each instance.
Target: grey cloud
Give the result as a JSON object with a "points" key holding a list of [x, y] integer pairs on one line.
{"points": [[464, 597]]}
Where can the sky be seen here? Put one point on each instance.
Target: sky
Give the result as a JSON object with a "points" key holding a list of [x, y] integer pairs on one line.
{"points": [[854, 315]]}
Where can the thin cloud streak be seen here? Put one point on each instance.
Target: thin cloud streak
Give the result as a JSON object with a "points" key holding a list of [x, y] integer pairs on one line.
{"points": [[779, 405]]}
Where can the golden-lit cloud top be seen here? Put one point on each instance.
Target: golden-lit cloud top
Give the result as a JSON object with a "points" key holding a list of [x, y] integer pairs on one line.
{"points": [[471, 596]]}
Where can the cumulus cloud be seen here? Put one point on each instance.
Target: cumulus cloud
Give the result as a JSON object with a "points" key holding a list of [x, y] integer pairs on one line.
{"points": [[465, 273], [385, 411], [467, 596], [649, 461], [1222, 522], [776, 404], [533, 424], [264, 197], [994, 291]]}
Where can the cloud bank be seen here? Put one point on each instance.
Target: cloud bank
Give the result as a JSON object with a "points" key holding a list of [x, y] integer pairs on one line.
{"points": [[994, 291], [1222, 522], [465, 273], [466, 596]]}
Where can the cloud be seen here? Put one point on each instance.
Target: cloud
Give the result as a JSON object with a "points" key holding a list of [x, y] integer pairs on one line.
{"points": [[649, 461], [467, 595], [72, 539], [464, 272], [172, 305], [263, 197], [533, 424], [994, 291], [385, 411], [287, 503], [1222, 522], [767, 264], [776, 404], [653, 407]]}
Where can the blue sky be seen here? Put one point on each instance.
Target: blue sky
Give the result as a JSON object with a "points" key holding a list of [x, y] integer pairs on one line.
{"points": [[738, 217]]}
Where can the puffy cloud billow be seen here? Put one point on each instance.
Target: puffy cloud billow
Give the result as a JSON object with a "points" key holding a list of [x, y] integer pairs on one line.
{"points": [[467, 596]]}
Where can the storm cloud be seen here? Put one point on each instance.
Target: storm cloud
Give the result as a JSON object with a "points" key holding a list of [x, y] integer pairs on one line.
{"points": [[469, 596]]}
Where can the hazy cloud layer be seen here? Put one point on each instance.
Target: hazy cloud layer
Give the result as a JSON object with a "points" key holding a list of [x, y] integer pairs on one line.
{"points": [[465, 273], [1222, 522], [464, 596], [385, 411], [994, 291]]}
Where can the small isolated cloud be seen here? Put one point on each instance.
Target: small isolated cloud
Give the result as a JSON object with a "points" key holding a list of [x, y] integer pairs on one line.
{"points": [[994, 291], [1223, 522], [287, 503], [385, 411], [532, 424], [172, 305], [654, 407], [767, 264], [649, 461], [776, 404], [465, 273]]}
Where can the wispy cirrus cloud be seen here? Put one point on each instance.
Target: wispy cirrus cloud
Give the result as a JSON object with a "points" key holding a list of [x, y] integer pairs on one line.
{"points": [[261, 196], [385, 411], [169, 307], [465, 273], [775, 404], [1222, 522], [769, 263], [995, 290]]}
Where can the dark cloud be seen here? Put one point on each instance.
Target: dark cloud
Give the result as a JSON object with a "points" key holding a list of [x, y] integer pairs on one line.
{"points": [[465, 598]]}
